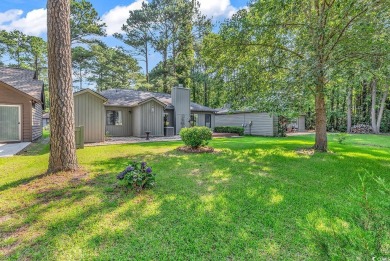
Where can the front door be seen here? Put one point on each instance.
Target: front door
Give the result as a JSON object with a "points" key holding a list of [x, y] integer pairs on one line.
{"points": [[9, 123]]}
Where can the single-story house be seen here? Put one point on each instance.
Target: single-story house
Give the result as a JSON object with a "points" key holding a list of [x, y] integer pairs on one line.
{"points": [[45, 119], [123, 112], [22, 100], [254, 123]]}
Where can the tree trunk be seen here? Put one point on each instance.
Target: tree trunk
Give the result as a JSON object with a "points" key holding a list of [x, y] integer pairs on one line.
{"points": [[321, 143], [349, 109], [147, 62], [381, 109], [62, 136], [81, 78], [373, 105]]}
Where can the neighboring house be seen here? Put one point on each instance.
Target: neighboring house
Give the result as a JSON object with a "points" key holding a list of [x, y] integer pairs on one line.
{"points": [[254, 123], [21, 103], [45, 119], [122, 112]]}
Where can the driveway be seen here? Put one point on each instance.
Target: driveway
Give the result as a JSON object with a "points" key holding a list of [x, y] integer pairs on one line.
{"points": [[10, 149]]}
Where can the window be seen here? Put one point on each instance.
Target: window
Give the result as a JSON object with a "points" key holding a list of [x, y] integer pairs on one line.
{"points": [[194, 120], [114, 117], [207, 120]]}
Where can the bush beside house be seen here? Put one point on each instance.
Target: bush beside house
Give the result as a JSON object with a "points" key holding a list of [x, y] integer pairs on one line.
{"points": [[230, 129]]}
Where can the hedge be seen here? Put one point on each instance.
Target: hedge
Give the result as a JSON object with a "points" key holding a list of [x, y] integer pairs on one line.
{"points": [[230, 129]]}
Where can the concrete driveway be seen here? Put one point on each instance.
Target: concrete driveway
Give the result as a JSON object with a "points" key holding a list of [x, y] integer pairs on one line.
{"points": [[10, 149]]}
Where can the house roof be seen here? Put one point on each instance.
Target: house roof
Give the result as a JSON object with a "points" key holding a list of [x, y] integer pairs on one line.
{"points": [[46, 115], [92, 92], [125, 97], [22, 80]]}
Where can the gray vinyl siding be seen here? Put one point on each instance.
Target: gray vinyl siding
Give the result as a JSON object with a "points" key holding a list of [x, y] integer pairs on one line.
{"points": [[136, 121], [181, 101], [301, 123], [202, 118], [90, 113], [263, 124], [36, 121], [152, 121], [124, 130]]}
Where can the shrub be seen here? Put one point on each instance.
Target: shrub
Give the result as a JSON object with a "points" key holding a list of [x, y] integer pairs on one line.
{"points": [[341, 137], [196, 136], [230, 129], [138, 176]]}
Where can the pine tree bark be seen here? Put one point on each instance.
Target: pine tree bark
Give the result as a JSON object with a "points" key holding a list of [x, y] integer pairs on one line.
{"points": [[62, 126]]}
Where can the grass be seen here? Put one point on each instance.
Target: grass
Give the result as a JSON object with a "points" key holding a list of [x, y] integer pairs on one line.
{"points": [[258, 198]]}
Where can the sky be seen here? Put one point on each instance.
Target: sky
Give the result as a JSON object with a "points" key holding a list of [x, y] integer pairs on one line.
{"points": [[29, 16]]}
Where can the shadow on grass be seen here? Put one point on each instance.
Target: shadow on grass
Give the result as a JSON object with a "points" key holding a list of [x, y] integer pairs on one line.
{"points": [[248, 201]]}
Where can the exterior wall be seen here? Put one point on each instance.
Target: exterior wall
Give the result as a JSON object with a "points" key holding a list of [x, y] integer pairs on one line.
{"points": [[181, 101], [136, 121], [123, 130], [89, 112], [301, 123], [152, 119], [9, 96], [36, 121], [262, 123], [202, 118]]}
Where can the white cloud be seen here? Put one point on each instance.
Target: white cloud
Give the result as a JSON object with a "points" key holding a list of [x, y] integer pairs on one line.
{"points": [[10, 15], [34, 23], [117, 16], [217, 8]]}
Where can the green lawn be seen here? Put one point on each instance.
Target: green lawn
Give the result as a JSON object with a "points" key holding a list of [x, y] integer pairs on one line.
{"points": [[257, 198]]}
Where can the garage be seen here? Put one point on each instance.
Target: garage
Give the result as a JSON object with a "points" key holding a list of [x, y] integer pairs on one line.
{"points": [[10, 123]]}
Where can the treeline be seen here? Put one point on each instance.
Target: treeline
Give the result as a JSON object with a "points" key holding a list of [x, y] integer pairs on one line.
{"points": [[326, 59], [329, 60], [94, 63]]}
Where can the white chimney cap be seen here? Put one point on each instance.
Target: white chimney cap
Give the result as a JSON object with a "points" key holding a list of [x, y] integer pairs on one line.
{"points": [[180, 85]]}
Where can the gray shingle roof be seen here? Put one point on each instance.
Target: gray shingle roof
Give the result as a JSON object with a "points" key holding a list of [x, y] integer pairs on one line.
{"points": [[124, 97], [22, 80]]}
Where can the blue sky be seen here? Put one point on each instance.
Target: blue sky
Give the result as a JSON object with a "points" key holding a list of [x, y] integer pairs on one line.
{"points": [[29, 16]]}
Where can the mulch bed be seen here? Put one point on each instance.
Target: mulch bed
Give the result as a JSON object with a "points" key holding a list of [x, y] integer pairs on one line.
{"points": [[188, 149]]}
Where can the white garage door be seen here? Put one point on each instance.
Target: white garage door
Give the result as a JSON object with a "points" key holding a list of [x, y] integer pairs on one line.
{"points": [[9, 123]]}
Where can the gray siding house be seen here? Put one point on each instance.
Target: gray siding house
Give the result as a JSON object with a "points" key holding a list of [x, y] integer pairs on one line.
{"points": [[122, 112], [254, 123]]}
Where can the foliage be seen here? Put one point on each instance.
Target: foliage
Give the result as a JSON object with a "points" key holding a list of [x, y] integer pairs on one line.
{"points": [[81, 62], [341, 137], [196, 136], [85, 22], [282, 126], [138, 176], [230, 129], [112, 68], [286, 55]]}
